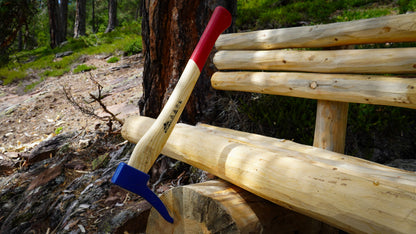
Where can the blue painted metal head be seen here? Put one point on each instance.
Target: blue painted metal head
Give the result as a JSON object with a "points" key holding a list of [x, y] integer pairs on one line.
{"points": [[135, 181]]}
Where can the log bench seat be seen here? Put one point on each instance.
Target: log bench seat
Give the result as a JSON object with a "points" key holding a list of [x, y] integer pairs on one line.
{"points": [[324, 62]]}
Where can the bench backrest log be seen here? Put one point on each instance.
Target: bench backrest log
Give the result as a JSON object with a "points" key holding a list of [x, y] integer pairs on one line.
{"points": [[317, 62]]}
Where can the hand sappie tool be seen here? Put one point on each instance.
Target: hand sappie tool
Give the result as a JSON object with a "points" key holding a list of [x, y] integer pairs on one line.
{"points": [[133, 176]]}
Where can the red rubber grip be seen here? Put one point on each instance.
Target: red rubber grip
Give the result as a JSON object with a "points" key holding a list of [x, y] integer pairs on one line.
{"points": [[219, 22]]}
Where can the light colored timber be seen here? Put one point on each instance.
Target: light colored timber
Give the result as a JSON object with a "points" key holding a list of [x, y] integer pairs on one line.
{"points": [[368, 89], [397, 28], [318, 156], [331, 125], [148, 148], [396, 60], [219, 207], [352, 194]]}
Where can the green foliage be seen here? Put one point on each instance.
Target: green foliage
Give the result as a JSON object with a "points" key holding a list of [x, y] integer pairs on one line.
{"points": [[42, 59], [370, 126], [58, 130], [55, 72], [363, 13], [113, 60], [369, 118], [133, 47], [274, 14], [36, 36], [407, 5], [31, 86], [282, 117], [83, 68], [10, 75], [261, 14]]}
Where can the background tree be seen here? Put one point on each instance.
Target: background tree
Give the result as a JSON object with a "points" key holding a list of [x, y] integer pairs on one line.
{"points": [[14, 15], [137, 13], [56, 29], [79, 26], [93, 24], [170, 31], [112, 15], [63, 16]]}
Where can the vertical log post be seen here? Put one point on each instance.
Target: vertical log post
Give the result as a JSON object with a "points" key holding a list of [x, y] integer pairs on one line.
{"points": [[331, 128], [331, 125]]}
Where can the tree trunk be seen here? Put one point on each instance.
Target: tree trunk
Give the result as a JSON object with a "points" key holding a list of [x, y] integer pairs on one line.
{"points": [[138, 12], [94, 28], [20, 40], [14, 15], [79, 27], [170, 31], [64, 17], [112, 15], [55, 29]]}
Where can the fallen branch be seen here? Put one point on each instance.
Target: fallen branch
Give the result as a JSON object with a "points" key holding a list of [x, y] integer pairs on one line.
{"points": [[99, 98], [88, 109]]}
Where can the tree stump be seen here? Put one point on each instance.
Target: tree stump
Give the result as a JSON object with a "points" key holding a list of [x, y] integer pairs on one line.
{"points": [[220, 207]]}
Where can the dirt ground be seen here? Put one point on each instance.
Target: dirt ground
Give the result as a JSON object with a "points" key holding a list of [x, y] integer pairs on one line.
{"points": [[27, 118]]}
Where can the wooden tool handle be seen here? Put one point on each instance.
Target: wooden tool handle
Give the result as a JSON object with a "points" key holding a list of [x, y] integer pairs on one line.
{"points": [[151, 144]]}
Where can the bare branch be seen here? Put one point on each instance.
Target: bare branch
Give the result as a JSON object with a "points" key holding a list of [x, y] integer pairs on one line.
{"points": [[88, 109], [98, 99]]}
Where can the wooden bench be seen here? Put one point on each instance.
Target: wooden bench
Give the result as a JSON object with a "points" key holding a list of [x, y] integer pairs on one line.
{"points": [[319, 181]]}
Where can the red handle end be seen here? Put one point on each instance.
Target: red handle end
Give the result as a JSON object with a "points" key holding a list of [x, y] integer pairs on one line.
{"points": [[219, 22]]}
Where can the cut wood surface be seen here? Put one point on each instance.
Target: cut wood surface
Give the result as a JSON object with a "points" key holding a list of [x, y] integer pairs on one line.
{"points": [[369, 89], [219, 207], [350, 193], [395, 60], [397, 28]]}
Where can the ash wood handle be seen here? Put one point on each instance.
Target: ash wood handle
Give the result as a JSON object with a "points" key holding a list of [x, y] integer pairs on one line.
{"points": [[151, 144]]}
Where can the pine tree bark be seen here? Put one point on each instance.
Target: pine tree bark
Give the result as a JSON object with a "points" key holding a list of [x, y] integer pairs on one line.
{"points": [[64, 17], [20, 41], [170, 32], [80, 15], [55, 28], [138, 13], [94, 28], [112, 15]]}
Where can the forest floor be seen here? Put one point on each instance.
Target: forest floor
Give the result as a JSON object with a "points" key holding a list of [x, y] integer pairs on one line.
{"points": [[26, 118], [56, 162]]}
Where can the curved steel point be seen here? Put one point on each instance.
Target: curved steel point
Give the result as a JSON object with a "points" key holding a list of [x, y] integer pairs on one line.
{"points": [[135, 181]]}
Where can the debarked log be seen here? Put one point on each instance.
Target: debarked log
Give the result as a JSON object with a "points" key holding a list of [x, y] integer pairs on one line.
{"points": [[393, 28], [367, 89], [219, 207], [380, 61], [349, 193]]}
